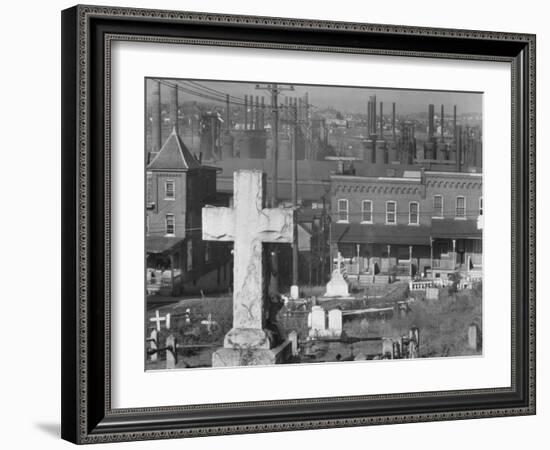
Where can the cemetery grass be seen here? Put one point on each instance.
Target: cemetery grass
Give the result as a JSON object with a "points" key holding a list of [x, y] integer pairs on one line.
{"points": [[193, 332], [443, 323]]}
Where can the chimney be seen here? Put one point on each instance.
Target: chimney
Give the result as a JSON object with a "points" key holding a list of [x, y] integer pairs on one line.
{"points": [[430, 121], [174, 107], [156, 142]]}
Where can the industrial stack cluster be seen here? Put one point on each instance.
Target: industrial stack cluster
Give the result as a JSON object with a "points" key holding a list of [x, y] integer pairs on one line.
{"points": [[458, 150], [244, 131]]}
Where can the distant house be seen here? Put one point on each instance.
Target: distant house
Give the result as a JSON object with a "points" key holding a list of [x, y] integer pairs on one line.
{"points": [[178, 186]]}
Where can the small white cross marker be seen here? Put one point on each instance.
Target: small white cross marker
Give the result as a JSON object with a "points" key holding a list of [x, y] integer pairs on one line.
{"points": [[158, 319]]}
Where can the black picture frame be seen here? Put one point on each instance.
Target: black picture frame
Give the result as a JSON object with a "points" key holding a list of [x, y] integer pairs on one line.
{"points": [[87, 32]]}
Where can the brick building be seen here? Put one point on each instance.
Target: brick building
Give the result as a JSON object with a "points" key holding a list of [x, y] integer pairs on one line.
{"points": [[178, 186], [413, 222]]}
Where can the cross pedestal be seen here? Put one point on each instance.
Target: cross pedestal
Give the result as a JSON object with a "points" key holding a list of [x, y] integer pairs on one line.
{"points": [[248, 224]]}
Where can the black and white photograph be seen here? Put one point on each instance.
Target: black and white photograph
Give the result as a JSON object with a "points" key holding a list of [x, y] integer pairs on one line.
{"points": [[294, 224]]}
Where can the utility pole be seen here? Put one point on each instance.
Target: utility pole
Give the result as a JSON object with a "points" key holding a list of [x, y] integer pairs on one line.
{"points": [[274, 90], [295, 196], [227, 115]]}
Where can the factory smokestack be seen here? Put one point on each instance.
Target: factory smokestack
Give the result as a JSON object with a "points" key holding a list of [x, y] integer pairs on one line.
{"points": [[372, 115], [174, 108], [156, 143], [454, 122], [381, 120], [430, 121], [246, 112], [458, 141], [257, 114], [442, 123], [262, 115], [393, 120]]}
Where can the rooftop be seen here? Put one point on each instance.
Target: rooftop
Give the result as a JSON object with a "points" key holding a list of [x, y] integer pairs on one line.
{"points": [[174, 155]]}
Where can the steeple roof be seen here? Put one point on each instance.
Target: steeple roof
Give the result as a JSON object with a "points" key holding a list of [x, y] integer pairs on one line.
{"points": [[174, 155]]}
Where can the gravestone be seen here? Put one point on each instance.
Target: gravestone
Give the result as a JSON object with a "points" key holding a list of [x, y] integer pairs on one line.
{"points": [[187, 316], [209, 323], [414, 342], [337, 286], [473, 337], [248, 224], [335, 322], [153, 344], [318, 321], [171, 352], [388, 348], [294, 292], [293, 338], [432, 293]]}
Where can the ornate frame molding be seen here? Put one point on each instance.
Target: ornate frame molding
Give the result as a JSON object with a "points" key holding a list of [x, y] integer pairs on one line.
{"points": [[86, 422]]}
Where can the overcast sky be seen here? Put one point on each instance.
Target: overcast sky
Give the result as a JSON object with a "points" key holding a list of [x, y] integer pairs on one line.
{"points": [[348, 99]]}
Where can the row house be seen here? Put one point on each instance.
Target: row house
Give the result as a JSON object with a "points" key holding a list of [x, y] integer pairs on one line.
{"points": [[421, 222]]}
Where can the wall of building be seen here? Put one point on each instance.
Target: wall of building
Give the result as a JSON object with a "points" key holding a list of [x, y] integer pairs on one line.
{"points": [[404, 191], [161, 205], [450, 186], [379, 191]]}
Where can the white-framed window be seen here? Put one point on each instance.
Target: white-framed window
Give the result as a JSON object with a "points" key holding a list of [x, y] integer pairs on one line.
{"points": [[414, 213], [460, 210], [480, 206], [343, 210], [391, 212], [169, 190], [170, 224], [366, 211], [438, 206]]}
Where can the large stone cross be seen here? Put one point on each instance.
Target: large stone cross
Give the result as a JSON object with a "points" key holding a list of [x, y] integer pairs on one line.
{"points": [[248, 224]]}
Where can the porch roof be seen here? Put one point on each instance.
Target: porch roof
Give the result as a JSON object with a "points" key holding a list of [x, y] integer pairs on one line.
{"points": [[357, 233], [455, 229], [160, 244]]}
